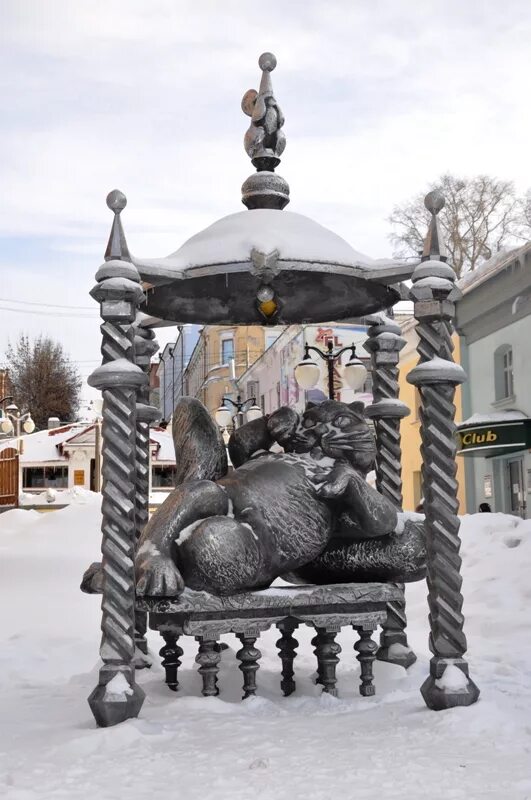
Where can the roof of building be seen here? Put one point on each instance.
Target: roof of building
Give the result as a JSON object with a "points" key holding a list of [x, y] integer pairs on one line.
{"points": [[49, 445], [499, 261]]}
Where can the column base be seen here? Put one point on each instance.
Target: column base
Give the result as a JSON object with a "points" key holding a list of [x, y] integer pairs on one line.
{"points": [[109, 711], [449, 685], [142, 660], [396, 653]]}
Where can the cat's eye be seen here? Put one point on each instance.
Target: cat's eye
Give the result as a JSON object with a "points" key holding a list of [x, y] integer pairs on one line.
{"points": [[343, 422]]}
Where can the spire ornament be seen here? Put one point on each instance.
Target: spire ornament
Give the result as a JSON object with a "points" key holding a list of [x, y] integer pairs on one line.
{"points": [[436, 376], [434, 247], [264, 143], [117, 245]]}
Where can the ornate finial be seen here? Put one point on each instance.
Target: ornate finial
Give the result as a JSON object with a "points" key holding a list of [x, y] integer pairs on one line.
{"points": [[264, 142], [434, 247], [117, 245]]}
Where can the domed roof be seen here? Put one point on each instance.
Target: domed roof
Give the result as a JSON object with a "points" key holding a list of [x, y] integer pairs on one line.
{"points": [[232, 239], [316, 275]]}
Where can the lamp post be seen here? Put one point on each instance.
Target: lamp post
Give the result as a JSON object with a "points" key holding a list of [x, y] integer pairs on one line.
{"points": [[225, 415], [307, 371], [11, 420]]}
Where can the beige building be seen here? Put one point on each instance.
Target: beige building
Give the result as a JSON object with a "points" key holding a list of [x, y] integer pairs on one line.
{"points": [[410, 426], [222, 354]]}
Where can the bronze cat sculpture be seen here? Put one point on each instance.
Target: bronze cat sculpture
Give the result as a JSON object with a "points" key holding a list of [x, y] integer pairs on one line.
{"points": [[307, 512]]}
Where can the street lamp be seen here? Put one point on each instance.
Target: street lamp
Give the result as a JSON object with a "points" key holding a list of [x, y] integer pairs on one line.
{"points": [[307, 371], [225, 415], [12, 420]]}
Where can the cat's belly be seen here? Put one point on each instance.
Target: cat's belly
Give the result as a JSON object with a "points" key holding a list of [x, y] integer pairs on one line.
{"points": [[276, 497]]}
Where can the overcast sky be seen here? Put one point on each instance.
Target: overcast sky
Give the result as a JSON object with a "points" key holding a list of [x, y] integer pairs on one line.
{"points": [[144, 95]]}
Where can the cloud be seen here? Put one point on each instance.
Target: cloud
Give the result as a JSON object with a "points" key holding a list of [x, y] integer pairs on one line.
{"points": [[143, 95]]}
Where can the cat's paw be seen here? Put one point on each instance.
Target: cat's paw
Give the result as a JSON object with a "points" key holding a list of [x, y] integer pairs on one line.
{"points": [[337, 482], [158, 577], [282, 424]]}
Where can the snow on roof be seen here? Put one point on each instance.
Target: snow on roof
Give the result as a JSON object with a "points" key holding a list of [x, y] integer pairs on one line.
{"points": [[163, 438], [492, 266], [494, 418], [44, 445], [296, 238]]}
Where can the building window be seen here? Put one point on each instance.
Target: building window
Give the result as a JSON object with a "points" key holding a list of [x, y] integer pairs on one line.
{"points": [[163, 477], [503, 372], [227, 350], [45, 477]]}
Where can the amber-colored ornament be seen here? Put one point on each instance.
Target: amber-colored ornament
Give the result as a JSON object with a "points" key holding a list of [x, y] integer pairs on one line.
{"points": [[268, 308]]}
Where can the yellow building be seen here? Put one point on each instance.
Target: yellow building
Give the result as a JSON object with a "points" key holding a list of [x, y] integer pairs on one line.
{"points": [[410, 426], [221, 355]]}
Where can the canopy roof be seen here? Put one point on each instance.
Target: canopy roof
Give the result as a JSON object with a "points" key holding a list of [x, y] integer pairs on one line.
{"points": [[263, 265], [314, 273]]}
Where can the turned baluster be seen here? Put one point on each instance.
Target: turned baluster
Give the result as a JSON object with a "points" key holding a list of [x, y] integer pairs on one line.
{"points": [[208, 658], [327, 651], [366, 648], [287, 646], [170, 654], [249, 655]]}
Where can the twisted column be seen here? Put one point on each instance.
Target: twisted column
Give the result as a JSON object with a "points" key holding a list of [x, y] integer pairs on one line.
{"points": [[434, 295], [384, 344], [117, 697], [145, 346]]}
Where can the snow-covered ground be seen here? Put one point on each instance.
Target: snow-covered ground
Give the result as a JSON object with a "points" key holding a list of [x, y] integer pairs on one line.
{"points": [[307, 746]]}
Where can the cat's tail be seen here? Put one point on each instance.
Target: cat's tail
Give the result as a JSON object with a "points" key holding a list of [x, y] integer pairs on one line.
{"points": [[200, 453]]}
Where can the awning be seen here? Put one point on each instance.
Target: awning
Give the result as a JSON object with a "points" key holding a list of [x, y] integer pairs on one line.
{"points": [[497, 437]]}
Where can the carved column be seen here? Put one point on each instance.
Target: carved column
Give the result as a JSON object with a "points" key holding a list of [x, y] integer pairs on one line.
{"points": [[287, 650], [384, 344], [249, 656], [117, 697], [436, 376], [327, 651], [145, 346]]}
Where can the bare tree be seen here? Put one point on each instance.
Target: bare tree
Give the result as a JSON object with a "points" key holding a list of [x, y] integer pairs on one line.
{"points": [[481, 216], [527, 214], [43, 379]]}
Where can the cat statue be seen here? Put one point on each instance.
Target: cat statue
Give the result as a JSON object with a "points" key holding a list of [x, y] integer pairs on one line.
{"points": [[307, 513]]}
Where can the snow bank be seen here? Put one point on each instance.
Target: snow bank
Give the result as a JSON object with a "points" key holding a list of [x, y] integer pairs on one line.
{"points": [[305, 747]]}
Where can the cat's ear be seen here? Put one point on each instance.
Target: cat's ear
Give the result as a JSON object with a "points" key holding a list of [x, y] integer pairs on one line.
{"points": [[358, 406], [309, 405]]}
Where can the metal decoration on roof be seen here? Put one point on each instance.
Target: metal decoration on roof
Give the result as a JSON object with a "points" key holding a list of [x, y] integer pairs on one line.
{"points": [[266, 265]]}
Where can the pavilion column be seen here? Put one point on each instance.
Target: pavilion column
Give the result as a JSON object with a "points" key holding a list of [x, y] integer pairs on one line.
{"points": [[434, 295], [145, 346], [117, 697], [384, 344]]}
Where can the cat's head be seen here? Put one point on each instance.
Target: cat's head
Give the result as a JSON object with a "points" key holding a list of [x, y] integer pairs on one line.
{"points": [[340, 430]]}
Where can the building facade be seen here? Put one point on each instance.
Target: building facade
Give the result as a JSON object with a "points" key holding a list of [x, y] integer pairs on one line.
{"points": [[410, 426], [271, 379], [64, 457], [494, 322], [169, 373], [221, 355]]}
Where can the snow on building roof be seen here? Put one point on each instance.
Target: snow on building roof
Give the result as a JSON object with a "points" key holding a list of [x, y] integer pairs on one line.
{"points": [[492, 266], [493, 418], [48, 445], [44, 445], [164, 440]]}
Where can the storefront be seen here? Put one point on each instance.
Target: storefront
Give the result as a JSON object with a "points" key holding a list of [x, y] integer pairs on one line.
{"points": [[500, 443]]}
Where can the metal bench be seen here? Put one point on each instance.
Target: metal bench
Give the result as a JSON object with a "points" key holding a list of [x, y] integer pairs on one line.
{"points": [[325, 608]]}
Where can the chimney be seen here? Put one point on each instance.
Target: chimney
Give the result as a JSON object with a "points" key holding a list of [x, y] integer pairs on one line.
{"points": [[53, 422]]}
